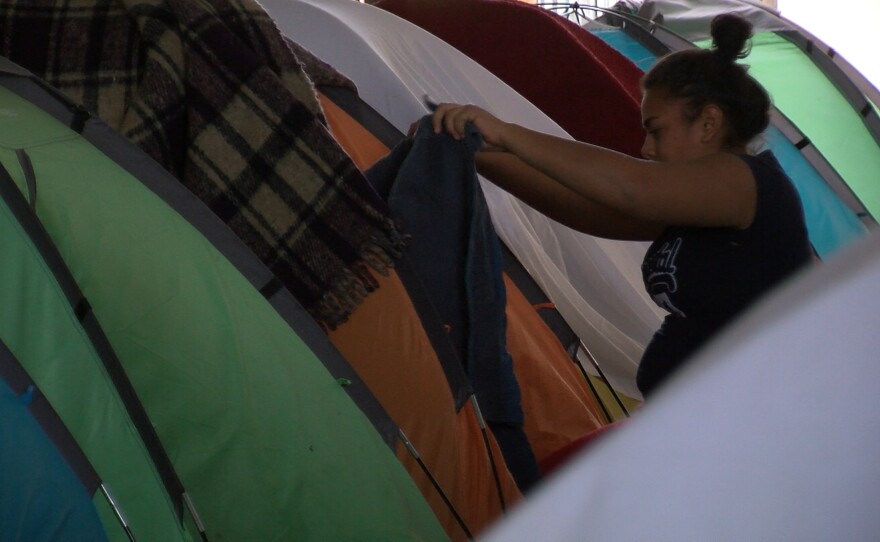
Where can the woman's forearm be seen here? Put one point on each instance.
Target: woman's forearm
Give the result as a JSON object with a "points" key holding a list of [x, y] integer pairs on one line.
{"points": [[711, 189], [608, 178], [559, 202]]}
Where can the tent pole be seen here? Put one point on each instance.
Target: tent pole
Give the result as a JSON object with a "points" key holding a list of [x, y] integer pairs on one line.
{"points": [[485, 432], [118, 512], [593, 389], [195, 515], [604, 378], [415, 454]]}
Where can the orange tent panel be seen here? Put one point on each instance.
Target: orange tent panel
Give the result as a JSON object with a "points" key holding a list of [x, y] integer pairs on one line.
{"points": [[385, 342], [559, 406]]}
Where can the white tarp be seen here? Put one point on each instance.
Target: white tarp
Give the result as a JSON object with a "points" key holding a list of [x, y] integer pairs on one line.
{"points": [[595, 283], [773, 433]]}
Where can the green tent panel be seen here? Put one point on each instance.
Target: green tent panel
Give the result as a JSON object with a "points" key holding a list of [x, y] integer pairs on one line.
{"points": [[802, 92], [268, 443], [41, 329]]}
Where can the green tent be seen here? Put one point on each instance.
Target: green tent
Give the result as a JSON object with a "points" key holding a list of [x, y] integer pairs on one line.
{"points": [[44, 326], [269, 430]]}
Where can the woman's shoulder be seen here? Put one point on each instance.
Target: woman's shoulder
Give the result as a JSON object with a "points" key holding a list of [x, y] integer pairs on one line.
{"points": [[769, 174], [778, 200], [764, 160]]}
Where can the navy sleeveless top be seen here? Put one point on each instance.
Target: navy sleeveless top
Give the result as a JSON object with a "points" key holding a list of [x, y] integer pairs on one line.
{"points": [[705, 276]]}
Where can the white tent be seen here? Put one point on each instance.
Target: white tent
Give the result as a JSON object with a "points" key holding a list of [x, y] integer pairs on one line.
{"points": [[772, 433]]}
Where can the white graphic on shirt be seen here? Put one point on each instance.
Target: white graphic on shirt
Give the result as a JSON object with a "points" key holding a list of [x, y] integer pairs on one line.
{"points": [[662, 277]]}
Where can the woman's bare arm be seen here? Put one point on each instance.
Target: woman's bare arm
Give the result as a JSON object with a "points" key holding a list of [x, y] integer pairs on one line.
{"points": [[560, 203], [717, 190]]}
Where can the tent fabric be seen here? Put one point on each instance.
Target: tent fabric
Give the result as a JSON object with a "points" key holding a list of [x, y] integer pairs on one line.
{"points": [[587, 87], [541, 305], [43, 497], [212, 92], [595, 283], [154, 177], [831, 224], [553, 419], [728, 450], [362, 146], [415, 393], [65, 365], [235, 395], [20, 383], [822, 113], [692, 18], [378, 125]]}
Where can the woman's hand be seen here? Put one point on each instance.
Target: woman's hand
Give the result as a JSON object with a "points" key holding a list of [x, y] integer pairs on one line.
{"points": [[452, 119]]}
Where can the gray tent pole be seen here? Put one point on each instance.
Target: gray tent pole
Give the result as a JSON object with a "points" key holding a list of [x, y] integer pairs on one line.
{"points": [[195, 515], [485, 432], [118, 512], [567, 9], [595, 365], [415, 454], [593, 389]]}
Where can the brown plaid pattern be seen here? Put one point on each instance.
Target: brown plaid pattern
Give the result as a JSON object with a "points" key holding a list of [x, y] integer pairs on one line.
{"points": [[212, 91]]}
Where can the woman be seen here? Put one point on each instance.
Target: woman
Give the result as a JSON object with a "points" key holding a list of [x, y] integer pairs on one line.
{"points": [[725, 225]]}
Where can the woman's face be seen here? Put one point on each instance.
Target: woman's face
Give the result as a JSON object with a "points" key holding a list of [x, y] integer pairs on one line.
{"points": [[669, 135]]}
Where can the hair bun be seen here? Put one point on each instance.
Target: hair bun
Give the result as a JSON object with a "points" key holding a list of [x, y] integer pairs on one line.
{"points": [[730, 35]]}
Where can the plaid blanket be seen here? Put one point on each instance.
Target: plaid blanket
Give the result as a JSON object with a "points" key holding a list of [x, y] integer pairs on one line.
{"points": [[212, 91]]}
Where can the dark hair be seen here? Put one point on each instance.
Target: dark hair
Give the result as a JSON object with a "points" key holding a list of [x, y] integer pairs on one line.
{"points": [[701, 77]]}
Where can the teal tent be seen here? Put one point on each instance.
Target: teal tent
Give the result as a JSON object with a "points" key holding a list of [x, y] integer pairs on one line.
{"points": [[46, 484]]}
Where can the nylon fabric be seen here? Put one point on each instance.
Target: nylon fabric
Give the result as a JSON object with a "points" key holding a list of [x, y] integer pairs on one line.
{"points": [[544, 57], [559, 407], [66, 367], [385, 343], [821, 113], [42, 498], [364, 149], [236, 397]]}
